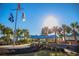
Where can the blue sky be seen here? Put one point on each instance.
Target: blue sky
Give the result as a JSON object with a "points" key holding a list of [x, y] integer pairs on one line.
{"points": [[35, 12]]}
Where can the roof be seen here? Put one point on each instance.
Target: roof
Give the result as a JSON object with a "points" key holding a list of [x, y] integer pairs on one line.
{"points": [[72, 34], [42, 36]]}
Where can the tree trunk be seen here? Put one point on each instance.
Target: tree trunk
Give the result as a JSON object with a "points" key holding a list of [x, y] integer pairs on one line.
{"points": [[74, 34], [64, 36], [55, 37], [46, 34]]}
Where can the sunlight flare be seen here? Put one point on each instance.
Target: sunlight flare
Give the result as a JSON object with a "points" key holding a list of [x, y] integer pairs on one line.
{"points": [[50, 21]]}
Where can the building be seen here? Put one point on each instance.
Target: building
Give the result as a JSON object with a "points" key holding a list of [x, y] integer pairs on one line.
{"points": [[43, 38], [70, 39]]}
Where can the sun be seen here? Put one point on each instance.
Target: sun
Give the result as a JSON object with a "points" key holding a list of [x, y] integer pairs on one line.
{"points": [[50, 21]]}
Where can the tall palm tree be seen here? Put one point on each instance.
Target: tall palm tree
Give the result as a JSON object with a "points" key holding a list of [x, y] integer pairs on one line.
{"points": [[42, 31], [74, 28], [45, 31], [54, 30], [64, 27], [68, 30], [59, 30], [59, 33]]}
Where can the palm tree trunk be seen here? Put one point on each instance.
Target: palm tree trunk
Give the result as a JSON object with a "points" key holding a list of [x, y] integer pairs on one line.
{"points": [[74, 34], [59, 40], [55, 37], [64, 37], [46, 35]]}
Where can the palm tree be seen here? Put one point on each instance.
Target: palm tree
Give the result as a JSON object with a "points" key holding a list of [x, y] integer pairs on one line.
{"points": [[7, 33], [42, 31], [59, 33], [1, 28], [55, 29], [59, 30], [64, 27], [26, 33], [50, 31], [18, 33], [74, 28], [68, 29], [45, 31]]}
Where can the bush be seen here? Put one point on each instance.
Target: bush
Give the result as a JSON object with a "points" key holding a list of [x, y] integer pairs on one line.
{"points": [[22, 41], [5, 40]]}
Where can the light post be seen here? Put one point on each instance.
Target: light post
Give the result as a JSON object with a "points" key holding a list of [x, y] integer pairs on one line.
{"points": [[14, 38], [14, 34]]}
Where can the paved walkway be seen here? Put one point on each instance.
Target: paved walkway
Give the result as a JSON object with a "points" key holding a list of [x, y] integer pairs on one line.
{"points": [[15, 46]]}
